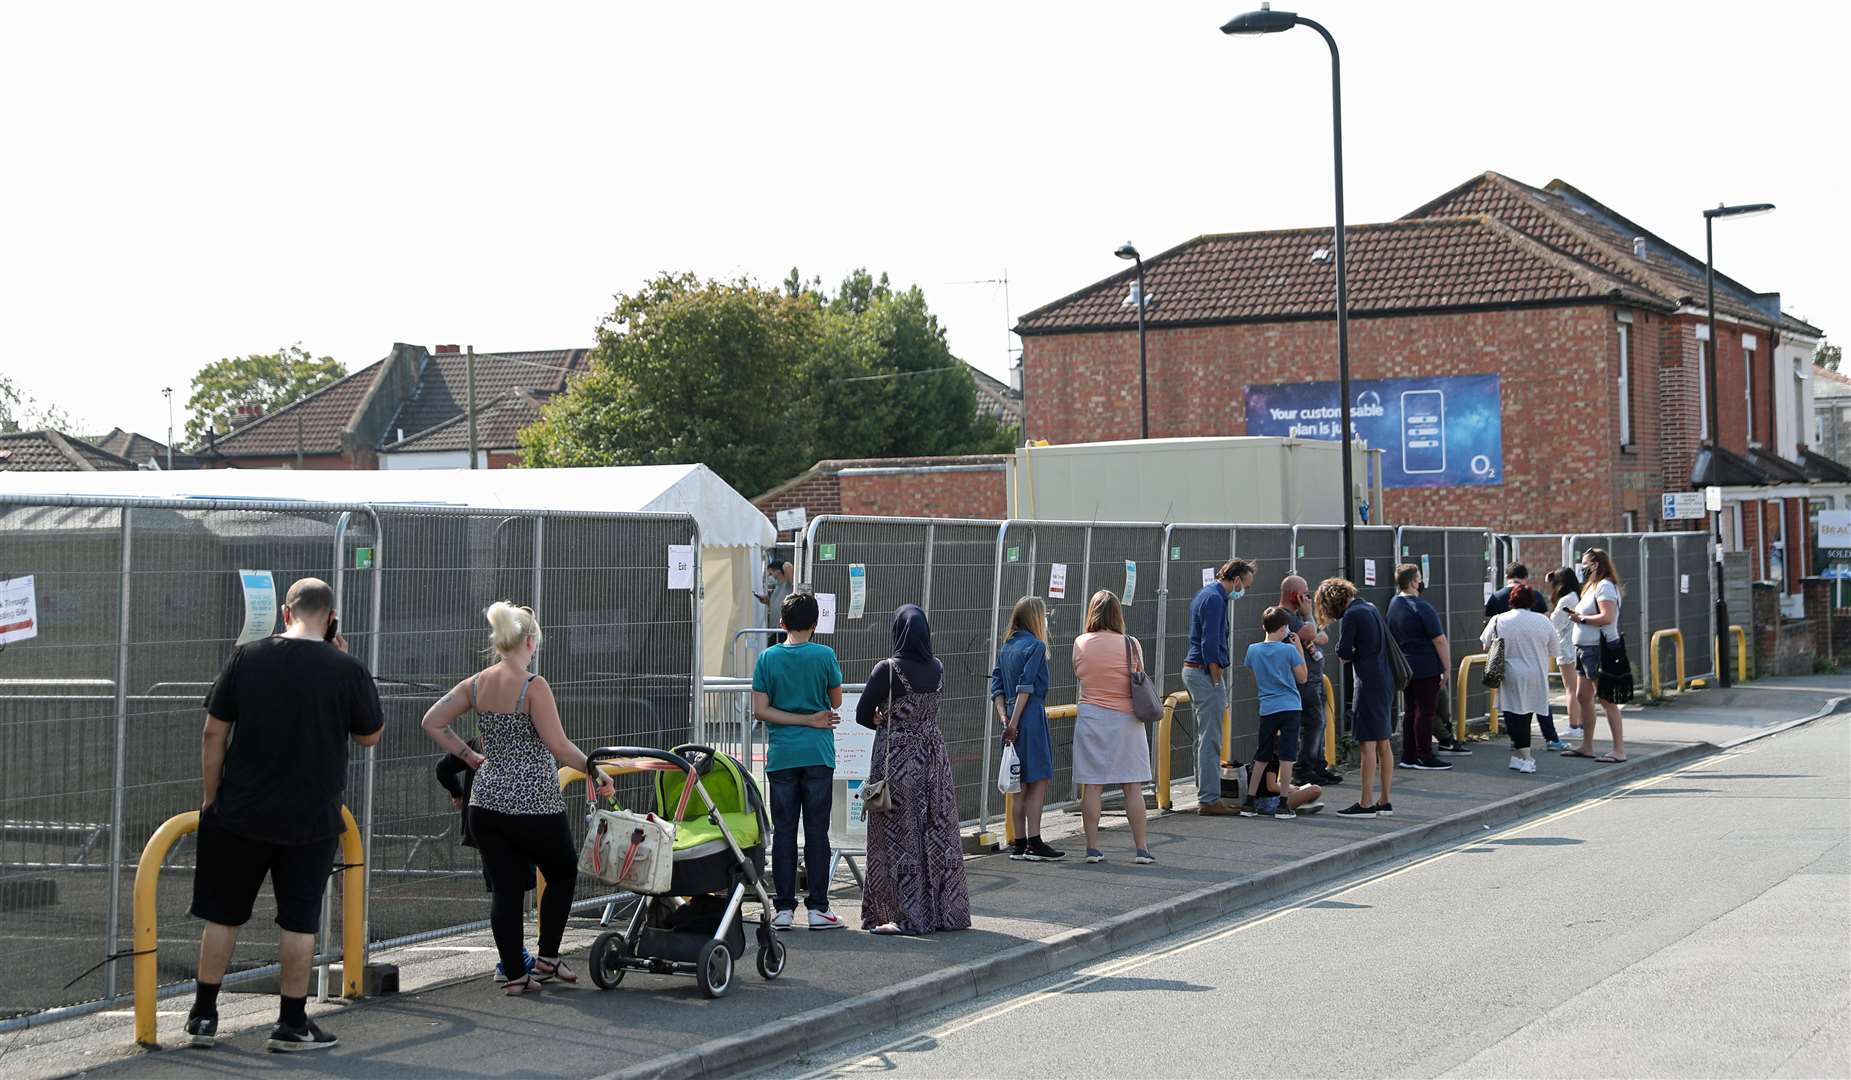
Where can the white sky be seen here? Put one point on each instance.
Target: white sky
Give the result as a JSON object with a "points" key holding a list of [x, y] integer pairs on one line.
{"points": [[189, 181]]}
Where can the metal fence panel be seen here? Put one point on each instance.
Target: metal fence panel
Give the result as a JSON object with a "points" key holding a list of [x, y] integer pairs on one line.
{"points": [[1195, 554], [1696, 607], [1624, 550]]}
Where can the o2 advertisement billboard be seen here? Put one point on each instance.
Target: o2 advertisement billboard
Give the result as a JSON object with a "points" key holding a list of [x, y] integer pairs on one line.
{"points": [[1445, 431]]}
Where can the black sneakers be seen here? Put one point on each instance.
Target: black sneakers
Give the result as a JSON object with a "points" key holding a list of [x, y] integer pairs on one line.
{"points": [[1383, 809], [289, 1038], [202, 1030], [1432, 764], [1356, 810], [1037, 851], [1455, 749]]}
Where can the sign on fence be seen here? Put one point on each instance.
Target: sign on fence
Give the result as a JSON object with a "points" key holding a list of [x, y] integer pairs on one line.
{"points": [[18, 610]]}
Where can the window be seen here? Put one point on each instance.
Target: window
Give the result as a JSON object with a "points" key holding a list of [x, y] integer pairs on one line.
{"points": [[1703, 391], [1748, 382], [1800, 364], [1630, 521], [1625, 386]]}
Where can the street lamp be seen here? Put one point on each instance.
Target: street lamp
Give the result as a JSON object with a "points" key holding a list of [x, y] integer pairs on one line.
{"points": [[1126, 251], [1709, 284], [168, 393], [1268, 21]]}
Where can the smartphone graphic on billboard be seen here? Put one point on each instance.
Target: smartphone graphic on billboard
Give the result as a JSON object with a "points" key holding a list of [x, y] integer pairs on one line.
{"points": [[1423, 431]]}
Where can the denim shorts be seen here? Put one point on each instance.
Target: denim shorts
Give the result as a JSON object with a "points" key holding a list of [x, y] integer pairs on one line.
{"points": [[1587, 660], [1278, 736]]}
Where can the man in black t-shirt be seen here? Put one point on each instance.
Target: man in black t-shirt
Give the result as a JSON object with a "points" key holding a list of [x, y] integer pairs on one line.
{"points": [[274, 762]]}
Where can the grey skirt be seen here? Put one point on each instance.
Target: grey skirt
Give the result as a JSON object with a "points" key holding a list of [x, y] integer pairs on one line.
{"points": [[1109, 748]]}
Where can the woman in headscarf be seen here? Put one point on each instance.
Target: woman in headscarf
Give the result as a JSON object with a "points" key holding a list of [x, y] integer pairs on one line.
{"points": [[915, 865]]}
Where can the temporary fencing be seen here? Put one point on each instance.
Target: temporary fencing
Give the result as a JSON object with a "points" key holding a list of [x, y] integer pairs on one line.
{"points": [[139, 602]]}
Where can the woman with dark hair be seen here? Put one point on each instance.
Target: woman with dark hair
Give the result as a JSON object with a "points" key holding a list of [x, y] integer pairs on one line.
{"points": [[1564, 594], [1596, 619], [915, 874], [1529, 642], [1362, 642]]}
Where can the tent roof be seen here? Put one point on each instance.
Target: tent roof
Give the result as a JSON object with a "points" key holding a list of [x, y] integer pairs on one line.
{"points": [[726, 518]]}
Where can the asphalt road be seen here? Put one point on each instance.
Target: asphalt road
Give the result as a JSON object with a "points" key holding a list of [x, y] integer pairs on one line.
{"points": [[1697, 923]]}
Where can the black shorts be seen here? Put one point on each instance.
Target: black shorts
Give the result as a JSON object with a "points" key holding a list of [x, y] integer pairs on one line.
{"points": [[232, 868]]}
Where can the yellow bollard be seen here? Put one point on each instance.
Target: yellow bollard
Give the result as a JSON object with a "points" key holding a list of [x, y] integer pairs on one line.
{"points": [[1459, 693], [1739, 638], [145, 916], [1330, 723], [1653, 687]]}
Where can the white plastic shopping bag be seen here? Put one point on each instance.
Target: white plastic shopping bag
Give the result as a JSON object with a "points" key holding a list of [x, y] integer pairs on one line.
{"points": [[1009, 775]]}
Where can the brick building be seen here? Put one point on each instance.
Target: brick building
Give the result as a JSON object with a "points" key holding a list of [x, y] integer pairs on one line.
{"points": [[1584, 332], [405, 411], [970, 485]]}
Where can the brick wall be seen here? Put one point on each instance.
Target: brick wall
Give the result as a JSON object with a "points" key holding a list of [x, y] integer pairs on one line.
{"points": [[1782, 646], [1558, 379], [935, 494]]}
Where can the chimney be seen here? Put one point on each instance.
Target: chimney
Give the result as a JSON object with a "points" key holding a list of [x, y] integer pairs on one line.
{"points": [[246, 414], [1638, 247], [446, 350]]}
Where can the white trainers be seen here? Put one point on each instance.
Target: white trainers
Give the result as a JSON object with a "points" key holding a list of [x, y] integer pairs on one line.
{"points": [[1526, 765], [781, 920], [1516, 763], [825, 920]]}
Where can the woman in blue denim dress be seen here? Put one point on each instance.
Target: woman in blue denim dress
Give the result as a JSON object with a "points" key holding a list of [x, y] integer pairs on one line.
{"points": [[1019, 693]]}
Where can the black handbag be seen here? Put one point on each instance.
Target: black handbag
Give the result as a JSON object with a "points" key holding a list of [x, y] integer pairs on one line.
{"points": [[1615, 683]]}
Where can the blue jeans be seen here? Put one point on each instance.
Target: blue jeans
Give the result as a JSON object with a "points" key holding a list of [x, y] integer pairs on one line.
{"points": [[807, 792], [1209, 701]]}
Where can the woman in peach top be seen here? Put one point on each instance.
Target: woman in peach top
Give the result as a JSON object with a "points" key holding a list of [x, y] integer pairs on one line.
{"points": [[1109, 745]]}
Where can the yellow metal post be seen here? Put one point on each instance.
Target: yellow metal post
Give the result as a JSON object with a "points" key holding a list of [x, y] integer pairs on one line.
{"points": [[1652, 683], [146, 914], [1163, 746], [1330, 723], [1459, 688]]}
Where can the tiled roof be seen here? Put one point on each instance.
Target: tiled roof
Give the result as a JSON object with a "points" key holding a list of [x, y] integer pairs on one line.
{"points": [[1830, 384], [442, 385], [138, 448], [498, 426], [52, 451], [1425, 264], [997, 399], [1577, 225], [1822, 468], [324, 417]]}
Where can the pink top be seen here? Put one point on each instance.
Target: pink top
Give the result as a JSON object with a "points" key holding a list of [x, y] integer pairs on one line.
{"points": [[1099, 661]]}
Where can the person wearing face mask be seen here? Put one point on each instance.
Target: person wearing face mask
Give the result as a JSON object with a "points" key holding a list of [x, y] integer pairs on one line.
{"points": [[1596, 618], [1310, 768], [1416, 627], [1205, 677]]}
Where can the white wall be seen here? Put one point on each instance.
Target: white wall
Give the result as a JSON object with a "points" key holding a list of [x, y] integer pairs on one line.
{"points": [[1793, 397], [442, 459]]}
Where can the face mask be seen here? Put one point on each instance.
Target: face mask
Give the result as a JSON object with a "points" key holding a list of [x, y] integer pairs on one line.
{"points": [[1237, 594], [1421, 588]]}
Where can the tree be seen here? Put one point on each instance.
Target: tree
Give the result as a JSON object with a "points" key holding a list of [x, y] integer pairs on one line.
{"points": [[759, 384], [1827, 356], [19, 407], [271, 380]]}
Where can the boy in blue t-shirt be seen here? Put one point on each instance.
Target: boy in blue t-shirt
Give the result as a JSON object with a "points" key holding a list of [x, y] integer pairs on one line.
{"points": [[1278, 666], [796, 690]]}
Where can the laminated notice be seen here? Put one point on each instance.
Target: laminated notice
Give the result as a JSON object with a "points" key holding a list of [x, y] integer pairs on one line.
{"points": [[857, 590], [1057, 581]]}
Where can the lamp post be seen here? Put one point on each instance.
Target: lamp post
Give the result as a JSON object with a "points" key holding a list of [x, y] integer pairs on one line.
{"points": [[1126, 251], [1709, 285], [168, 393], [1268, 21]]}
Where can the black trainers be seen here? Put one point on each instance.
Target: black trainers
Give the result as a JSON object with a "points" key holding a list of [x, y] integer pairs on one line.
{"points": [[202, 1030], [1432, 764], [1016, 850], [1248, 808], [1383, 809], [1329, 776], [1038, 851], [1356, 809], [1407, 764], [289, 1038], [1455, 749]]}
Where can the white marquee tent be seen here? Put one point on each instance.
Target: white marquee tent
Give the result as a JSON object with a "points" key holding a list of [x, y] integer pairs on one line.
{"points": [[734, 535]]}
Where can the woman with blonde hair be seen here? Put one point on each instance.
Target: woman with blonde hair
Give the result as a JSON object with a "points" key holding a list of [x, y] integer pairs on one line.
{"points": [[1019, 693], [1109, 745], [516, 812], [1596, 619]]}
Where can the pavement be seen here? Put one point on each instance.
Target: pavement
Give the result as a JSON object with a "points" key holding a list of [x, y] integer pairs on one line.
{"points": [[1031, 920], [1693, 923]]}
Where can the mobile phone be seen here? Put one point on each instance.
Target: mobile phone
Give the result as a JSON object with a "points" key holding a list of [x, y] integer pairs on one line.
{"points": [[1423, 431], [334, 627]]}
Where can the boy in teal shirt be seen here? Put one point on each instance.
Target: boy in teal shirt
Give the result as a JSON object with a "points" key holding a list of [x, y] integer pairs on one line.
{"points": [[796, 690]]}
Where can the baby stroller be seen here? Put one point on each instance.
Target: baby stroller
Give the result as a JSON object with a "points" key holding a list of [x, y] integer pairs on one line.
{"points": [[716, 859]]}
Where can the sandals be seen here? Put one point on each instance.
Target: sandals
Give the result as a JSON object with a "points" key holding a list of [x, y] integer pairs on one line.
{"points": [[888, 930], [526, 984], [547, 970], [1609, 759], [1579, 753]]}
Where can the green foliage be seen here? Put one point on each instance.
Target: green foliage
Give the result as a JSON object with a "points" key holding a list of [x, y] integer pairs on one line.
{"points": [[268, 379], [1827, 356], [19, 406], [758, 384]]}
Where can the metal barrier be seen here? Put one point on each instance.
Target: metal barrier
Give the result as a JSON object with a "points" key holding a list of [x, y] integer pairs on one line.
{"points": [[1673, 634], [138, 602], [146, 915], [1739, 638], [1460, 688]]}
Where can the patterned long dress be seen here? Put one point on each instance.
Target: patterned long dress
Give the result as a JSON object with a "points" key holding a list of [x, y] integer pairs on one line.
{"points": [[915, 872]]}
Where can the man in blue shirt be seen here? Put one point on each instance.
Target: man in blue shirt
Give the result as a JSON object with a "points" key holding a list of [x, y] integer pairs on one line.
{"points": [[796, 690], [1278, 666], [1205, 676]]}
